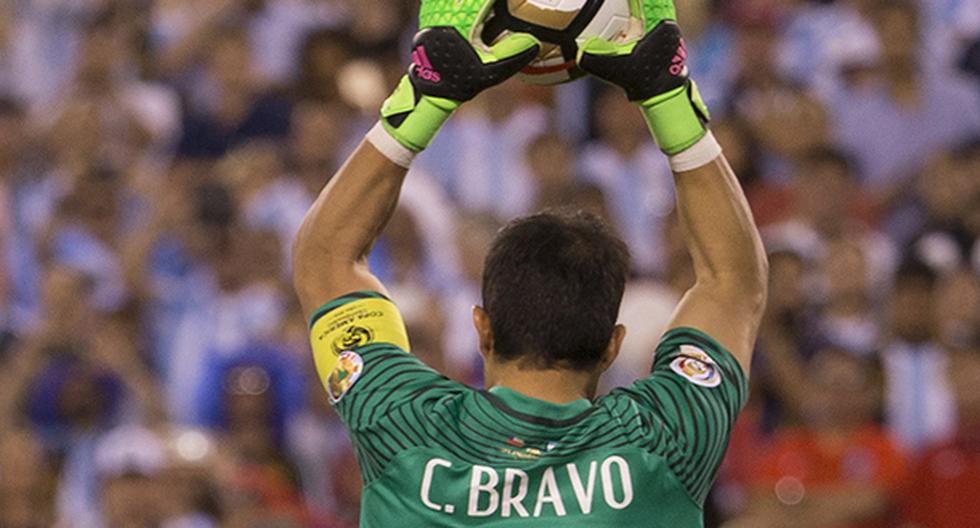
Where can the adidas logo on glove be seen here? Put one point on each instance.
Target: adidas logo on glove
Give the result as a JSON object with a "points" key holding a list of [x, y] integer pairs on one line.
{"points": [[423, 67]]}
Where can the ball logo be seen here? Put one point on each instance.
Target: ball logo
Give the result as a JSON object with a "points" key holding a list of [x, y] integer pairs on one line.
{"points": [[349, 367], [697, 367], [423, 67], [352, 337]]}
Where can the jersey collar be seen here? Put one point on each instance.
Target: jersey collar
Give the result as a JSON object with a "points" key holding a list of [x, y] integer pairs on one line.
{"points": [[538, 411]]}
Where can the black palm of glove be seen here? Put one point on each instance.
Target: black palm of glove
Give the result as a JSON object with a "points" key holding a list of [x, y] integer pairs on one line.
{"points": [[653, 72], [447, 71]]}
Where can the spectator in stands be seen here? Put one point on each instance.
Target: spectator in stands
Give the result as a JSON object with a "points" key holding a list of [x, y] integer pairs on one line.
{"points": [[770, 202], [317, 142], [473, 236], [86, 233], [155, 154], [321, 56], [137, 118], [187, 491], [958, 319], [632, 174], [257, 396], [825, 41], [27, 482], [479, 158], [268, 197], [839, 468], [944, 483], [848, 317], [908, 92], [128, 463], [946, 234], [788, 339], [919, 407], [552, 168], [16, 243], [237, 107], [827, 206]]}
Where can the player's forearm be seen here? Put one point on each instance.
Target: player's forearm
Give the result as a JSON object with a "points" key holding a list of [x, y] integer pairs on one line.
{"points": [[721, 234], [341, 227], [330, 252]]}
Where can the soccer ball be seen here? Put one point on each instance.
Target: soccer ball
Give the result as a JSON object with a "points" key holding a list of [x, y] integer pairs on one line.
{"points": [[561, 26]]}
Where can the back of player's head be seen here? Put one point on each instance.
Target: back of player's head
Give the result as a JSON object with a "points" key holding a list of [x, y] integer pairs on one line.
{"points": [[552, 286]]}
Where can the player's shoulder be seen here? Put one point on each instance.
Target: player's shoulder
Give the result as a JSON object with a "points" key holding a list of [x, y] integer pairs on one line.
{"points": [[698, 358], [688, 363]]}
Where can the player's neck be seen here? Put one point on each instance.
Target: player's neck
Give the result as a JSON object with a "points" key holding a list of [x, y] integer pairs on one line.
{"points": [[555, 386]]}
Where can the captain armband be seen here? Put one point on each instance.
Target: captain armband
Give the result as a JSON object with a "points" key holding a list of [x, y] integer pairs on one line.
{"points": [[340, 329]]}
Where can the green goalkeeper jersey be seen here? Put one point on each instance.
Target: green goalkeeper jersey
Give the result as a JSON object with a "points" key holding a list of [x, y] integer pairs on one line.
{"points": [[434, 452]]}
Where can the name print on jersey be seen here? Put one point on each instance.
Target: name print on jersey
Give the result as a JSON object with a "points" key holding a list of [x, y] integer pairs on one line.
{"points": [[557, 490]]}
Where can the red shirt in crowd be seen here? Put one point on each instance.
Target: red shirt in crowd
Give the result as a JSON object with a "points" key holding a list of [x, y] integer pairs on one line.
{"points": [[945, 489], [802, 462]]}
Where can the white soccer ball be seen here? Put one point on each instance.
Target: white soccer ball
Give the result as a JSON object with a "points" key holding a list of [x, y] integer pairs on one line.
{"points": [[561, 26]]}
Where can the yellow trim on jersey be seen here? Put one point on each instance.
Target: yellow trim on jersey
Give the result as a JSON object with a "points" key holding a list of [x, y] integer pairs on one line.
{"points": [[354, 325]]}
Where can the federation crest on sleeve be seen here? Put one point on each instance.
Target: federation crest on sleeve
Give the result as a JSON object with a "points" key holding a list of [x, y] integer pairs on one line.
{"points": [[345, 373], [696, 366]]}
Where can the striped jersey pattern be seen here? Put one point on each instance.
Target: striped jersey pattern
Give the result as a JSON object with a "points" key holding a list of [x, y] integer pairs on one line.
{"points": [[434, 452]]}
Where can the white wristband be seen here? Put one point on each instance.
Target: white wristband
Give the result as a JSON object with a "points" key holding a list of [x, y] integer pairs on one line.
{"points": [[389, 146], [698, 155]]}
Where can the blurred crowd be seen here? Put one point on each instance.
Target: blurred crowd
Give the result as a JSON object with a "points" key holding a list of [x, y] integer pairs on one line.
{"points": [[157, 156]]}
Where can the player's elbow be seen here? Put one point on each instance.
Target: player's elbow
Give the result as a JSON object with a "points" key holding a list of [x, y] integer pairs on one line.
{"points": [[300, 259], [747, 285], [754, 281], [314, 261]]}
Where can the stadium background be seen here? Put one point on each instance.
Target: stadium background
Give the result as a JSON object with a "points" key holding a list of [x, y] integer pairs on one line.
{"points": [[156, 157]]}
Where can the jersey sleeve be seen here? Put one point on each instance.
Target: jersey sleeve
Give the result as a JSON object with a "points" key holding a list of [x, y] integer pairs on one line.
{"points": [[695, 390], [363, 360]]}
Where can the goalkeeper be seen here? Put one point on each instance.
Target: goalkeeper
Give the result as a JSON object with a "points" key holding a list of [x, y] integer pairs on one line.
{"points": [[537, 447]]}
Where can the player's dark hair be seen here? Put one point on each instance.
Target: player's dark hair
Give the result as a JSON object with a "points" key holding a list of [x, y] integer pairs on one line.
{"points": [[552, 286]]}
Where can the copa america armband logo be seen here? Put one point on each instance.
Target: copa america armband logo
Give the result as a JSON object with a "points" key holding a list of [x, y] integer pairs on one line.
{"points": [[339, 336], [353, 336], [696, 366]]}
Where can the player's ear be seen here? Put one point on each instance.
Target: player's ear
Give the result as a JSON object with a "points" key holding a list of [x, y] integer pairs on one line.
{"points": [[481, 321], [615, 344]]}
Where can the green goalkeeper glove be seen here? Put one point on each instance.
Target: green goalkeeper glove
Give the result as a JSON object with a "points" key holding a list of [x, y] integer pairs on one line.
{"points": [[447, 70], [653, 71]]}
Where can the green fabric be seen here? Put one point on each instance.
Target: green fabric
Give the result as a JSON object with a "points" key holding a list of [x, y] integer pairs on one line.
{"points": [[655, 11], [510, 46], [601, 46], [535, 407], [460, 14], [673, 118], [435, 453], [427, 114], [424, 119]]}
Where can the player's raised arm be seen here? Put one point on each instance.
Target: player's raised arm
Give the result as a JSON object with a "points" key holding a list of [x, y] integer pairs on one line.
{"points": [[347, 305], [730, 265], [728, 298], [330, 251]]}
